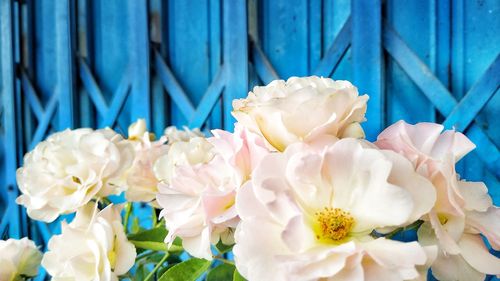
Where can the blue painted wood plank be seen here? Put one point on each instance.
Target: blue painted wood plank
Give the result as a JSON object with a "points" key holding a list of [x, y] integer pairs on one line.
{"points": [[335, 52], [173, 87], [31, 97], [215, 57], [263, 67], [284, 35], [335, 14], [41, 129], [117, 104], [436, 92], [418, 71], [235, 50], [10, 148], [366, 44], [472, 103], [208, 101], [314, 33], [64, 10], [93, 89], [139, 42], [405, 100], [189, 50]]}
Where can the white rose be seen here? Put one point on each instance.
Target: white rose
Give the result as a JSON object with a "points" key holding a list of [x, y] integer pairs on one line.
{"points": [[141, 181], [18, 259], [92, 247], [175, 135], [137, 129], [194, 151], [71, 167], [309, 109]]}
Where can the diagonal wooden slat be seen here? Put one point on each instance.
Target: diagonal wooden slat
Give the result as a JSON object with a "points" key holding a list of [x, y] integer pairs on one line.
{"points": [[31, 96], [263, 66], [423, 77], [44, 122], [475, 99], [110, 113], [4, 219], [438, 94], [93, 88], [173, 87], [116, 104], [336, 52], [210, 98]]}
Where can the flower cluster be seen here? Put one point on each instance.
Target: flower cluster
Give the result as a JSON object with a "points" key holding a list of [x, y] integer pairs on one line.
{"points": [[296, 191]]}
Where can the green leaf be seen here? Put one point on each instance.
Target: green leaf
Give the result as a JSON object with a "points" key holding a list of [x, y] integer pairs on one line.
{"points": [[223, 272], [135, 225], [152, 239], [188, 270], [223, 248], [237, 276], [157, 234]]}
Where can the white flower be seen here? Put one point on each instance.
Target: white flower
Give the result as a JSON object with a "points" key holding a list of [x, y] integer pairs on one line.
{"points": [[308, 215], [191, 152], [309, 109], [18, 259], [92, 247], [137, 129], [463, 210], [141, 180], [71, 167], [198, 203], [175, 135]]}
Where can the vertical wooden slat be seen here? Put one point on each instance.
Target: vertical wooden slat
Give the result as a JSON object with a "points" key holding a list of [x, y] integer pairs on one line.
{"points": [[314, 34], [235, 50], [64, 10], [9, 118], [215, 54], [367, 59], [139, 44]]}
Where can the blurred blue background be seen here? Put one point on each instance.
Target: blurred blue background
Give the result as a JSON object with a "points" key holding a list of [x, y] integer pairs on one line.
{"points": [[91, 63]]}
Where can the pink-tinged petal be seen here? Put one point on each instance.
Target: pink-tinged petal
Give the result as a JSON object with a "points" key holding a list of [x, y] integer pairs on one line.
{"points": [[268, 176], [247, 204], [375, 272], [449, 233], [396, 257], [476, 254], [454, 267], [358, 177], [322, 263], [305, 171], [215, 204], [475, 195], [298, 235], [353, 270], [452, 142], [199, 246], [487, 223], [257, 243], [409, 140], [422, 191]]}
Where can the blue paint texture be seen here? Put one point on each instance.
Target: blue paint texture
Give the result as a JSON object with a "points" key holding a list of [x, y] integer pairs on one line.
{"points": [[89, 63]]}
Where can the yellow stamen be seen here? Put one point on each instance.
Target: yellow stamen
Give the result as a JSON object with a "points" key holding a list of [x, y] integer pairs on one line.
{"points": [[334, 224]]}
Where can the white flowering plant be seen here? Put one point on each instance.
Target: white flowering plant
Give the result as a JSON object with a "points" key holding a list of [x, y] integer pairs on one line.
{"points": [[295, 192]]}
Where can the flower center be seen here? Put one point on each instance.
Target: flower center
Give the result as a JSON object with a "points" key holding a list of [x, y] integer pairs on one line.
{"points": [[333, 224]]}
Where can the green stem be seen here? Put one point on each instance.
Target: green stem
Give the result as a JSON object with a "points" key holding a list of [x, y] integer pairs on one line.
{"points": [[412, 226], [128, 211], [224, 260], [153, 216], [150, 275]]}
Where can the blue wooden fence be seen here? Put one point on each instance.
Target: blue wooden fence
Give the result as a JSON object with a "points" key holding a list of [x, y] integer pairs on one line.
{"points": [[68, 63]]}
